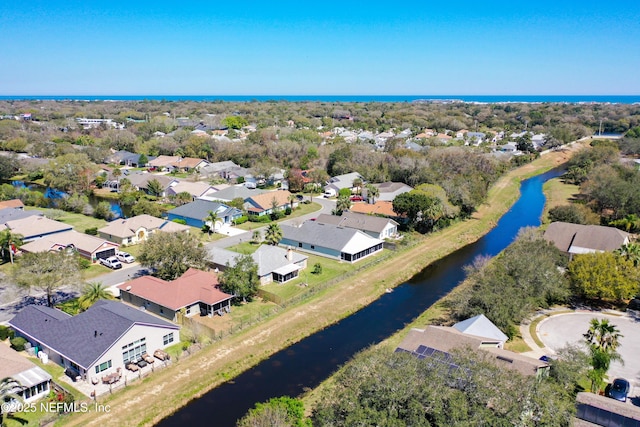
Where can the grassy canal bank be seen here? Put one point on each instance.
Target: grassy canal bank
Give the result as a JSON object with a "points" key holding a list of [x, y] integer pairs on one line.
{"points": [[146, 402]]}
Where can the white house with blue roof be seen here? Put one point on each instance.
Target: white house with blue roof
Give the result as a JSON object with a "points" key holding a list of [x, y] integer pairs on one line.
{"points": [[100, 341]]}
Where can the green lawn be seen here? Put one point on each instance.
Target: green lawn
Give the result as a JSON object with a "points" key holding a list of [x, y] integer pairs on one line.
{"points": [[301, 210], [78, 221], [244, 248], [331, 269]]}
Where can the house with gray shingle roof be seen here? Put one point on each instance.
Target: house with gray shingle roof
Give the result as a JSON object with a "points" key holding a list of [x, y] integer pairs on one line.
{"points": [[389, 190], [196, 212], [339, 182], [136, 229], [330, 241], [274, 264], [375, 226], [234, 192], [96, 342]]}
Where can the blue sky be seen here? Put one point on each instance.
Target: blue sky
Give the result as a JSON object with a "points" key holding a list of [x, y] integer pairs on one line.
{"points": [[425, 47]]}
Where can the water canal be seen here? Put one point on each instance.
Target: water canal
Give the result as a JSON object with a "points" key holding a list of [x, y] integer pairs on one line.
{"points": [[310, 361]]}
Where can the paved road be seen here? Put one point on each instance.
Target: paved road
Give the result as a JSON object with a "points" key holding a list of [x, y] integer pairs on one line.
{"points": [[556, 331], [327, 207], [13, 300]]}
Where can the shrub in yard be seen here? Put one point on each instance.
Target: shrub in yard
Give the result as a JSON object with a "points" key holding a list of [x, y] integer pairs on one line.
{"points": [[287, 211], [93, 231], [18, 343], [4, 332], [241, 220], [180, 221], [263, 218], [84, 263], [317, 268]]}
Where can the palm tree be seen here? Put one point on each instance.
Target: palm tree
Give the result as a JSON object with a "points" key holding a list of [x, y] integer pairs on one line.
{"points": [[93, 292], [256, 237], [211, 219], [273, 235], [9, 389], [631, 252], [603, 339], [629, 223], [343, 204], [8, 242], [357, 184], [603, 335], [154, 187], [373, 192]]}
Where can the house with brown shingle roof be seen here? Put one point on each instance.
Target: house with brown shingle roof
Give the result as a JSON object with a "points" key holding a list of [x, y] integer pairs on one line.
{"points": [[131, 231], [582, 239], [35, 227], [164, 162], [196, 291], [34, 380], [380, 207], [14, 203], [264, 204], [89, 247], [189, 163], [440, 341]]}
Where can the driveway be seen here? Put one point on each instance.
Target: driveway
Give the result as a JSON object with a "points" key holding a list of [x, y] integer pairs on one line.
{"points": [[559, 330]]}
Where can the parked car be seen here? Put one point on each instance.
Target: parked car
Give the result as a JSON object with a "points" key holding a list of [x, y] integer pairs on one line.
{"points": [[111, 262], [125, 257], [356, 198], [618, 389]]}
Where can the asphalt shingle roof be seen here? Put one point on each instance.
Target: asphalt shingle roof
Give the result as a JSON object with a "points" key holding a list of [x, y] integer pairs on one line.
{"points": [[199, 209], [85, 337]]}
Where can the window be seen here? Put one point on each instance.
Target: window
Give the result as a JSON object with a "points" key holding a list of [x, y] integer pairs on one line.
{"points": [[103, 366], [300, 244], [133, 351], [167, 339], [313, 246]]}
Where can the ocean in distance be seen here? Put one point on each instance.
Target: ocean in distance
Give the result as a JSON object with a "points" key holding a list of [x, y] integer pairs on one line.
{"points": [[488, 99]]}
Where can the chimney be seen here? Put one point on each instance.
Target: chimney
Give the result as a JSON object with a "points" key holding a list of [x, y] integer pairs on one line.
{"points": [[289, 254]]}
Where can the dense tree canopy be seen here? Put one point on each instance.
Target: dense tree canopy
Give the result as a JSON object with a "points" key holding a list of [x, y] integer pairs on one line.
{"points": [[241, 279], [380, 387], [524, 277], [169, 255], [604, 275], [47, 272]]}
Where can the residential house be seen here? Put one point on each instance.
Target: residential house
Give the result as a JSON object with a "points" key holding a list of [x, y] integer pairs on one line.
{"points": [[13, 203], [90, 247], [226, 170], [582, 239], [475, 138], [164, 163], [12, 214], [379, 208], [126, 158], [140, 181], [34, 380], [196, 212], [196, 292], [438, 342], [196, 189], [35, 227], [330, 241], [596, 410], [389, 190], [99, 341], [339, 182], [274, 264], [413, 146], [269, 202], [188, 164], [480, 326], [375, 226], [131, 231], [234, 192]]}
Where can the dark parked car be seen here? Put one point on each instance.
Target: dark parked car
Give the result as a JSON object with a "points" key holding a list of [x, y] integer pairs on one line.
{"points": [[618, 389]]}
